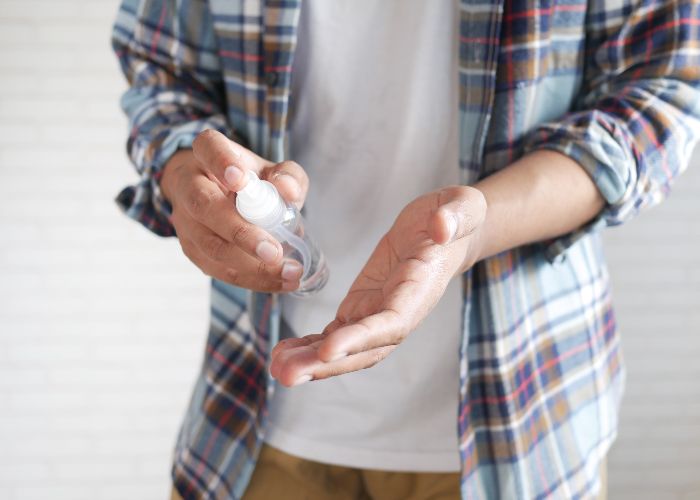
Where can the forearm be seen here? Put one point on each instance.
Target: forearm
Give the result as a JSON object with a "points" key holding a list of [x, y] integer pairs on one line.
{"points": [[543, 195]]}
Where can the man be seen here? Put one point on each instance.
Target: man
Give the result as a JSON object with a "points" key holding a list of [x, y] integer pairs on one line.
{"points": [[459, 161]]}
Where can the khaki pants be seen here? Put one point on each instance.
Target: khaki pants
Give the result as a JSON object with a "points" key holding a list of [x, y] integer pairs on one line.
{"points": [[282, 476]]}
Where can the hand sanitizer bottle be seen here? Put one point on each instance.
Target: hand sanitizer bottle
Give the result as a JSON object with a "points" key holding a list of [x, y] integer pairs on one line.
{"points": [[259, 203]]}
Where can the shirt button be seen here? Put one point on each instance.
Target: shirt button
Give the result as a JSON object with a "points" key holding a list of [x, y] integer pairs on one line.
{"points": [[271, 78]]}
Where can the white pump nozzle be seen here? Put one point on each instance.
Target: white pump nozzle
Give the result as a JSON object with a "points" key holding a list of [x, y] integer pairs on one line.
{"points": [[259, 202]]}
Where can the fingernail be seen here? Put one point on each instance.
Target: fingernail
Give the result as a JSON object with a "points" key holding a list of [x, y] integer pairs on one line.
{"points": [[451, 227], [302, 380], [232, 175], [266, 251], [291, 271], [338, 356]]}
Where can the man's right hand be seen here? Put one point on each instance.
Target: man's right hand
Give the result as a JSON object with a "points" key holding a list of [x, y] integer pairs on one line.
{"points": [[200, 184]]}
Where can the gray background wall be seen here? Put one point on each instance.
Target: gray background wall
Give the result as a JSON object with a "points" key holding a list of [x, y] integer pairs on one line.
{"points": [[102, 325]]}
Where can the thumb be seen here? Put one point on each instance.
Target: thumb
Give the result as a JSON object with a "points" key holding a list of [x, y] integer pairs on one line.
{"points": [[226, 160], [460, 210]]}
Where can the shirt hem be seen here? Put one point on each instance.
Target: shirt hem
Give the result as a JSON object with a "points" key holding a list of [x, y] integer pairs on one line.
{"points": [[393, 461]]}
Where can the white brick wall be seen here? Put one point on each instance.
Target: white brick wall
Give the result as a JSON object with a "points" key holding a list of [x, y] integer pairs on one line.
{"points": [[655, 264], [102, 325]]}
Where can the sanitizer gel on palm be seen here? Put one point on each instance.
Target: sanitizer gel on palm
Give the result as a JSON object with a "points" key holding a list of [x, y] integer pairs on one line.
{"points": [[259, 203]]}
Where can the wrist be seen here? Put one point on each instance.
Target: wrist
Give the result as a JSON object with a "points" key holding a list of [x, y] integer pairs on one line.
{"points": [[478, 242], [476, 239], [542, 195]]}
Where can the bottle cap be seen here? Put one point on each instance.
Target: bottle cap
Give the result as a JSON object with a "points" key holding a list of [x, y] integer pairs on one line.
{"points": [[259, 202]]}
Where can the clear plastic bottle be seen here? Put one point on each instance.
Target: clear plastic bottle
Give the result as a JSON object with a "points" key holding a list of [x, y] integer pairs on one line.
{"points": [[259, 203]]}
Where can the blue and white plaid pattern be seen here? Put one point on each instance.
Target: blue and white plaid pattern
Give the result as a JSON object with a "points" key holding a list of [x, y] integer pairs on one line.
{"points": [[611, 83]]}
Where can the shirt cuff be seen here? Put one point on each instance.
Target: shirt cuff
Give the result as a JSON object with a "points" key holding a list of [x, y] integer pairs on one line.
{"points": [[595, 145], [144, 201]]}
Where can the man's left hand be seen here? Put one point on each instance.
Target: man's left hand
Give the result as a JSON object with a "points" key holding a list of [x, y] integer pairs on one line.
{"points": [[434, 238]]}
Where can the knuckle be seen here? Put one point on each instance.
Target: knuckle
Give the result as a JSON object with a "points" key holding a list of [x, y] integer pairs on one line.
{"points": [[240, 234], [214, 247], [290, 165], [231, 275], [221, 158], [403, 331], [397, 336], [291, 371], [203, 137], [199, 202], [399, 330], [292, 168], [400, 333]]}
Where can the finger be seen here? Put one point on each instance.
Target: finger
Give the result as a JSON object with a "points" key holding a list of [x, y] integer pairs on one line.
{"points": [[407, 297], [385, 328], [352, 363], [332, 326], [246, 272], [313, 338], [209, 243], [225, 159], [223, 252], [460, 210], [227, 274], [298, 365], [206, 204], [265, 282], [295, 342], [306, 340], [301, 351], [290, 179], [359, 303]]}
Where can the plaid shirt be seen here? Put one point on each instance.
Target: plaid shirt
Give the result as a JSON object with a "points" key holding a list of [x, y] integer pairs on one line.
{"points": [[611, 83]]}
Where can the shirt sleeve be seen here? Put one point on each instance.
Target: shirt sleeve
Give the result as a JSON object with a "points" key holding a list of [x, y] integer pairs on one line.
{"points": [[637, 120], [168, 53]]}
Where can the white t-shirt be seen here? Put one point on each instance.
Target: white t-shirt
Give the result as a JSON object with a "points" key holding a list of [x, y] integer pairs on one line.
{"points": [[374, 123]]}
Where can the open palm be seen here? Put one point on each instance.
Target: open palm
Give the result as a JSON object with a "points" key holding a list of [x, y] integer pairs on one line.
{"points": [[431, 241]]}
